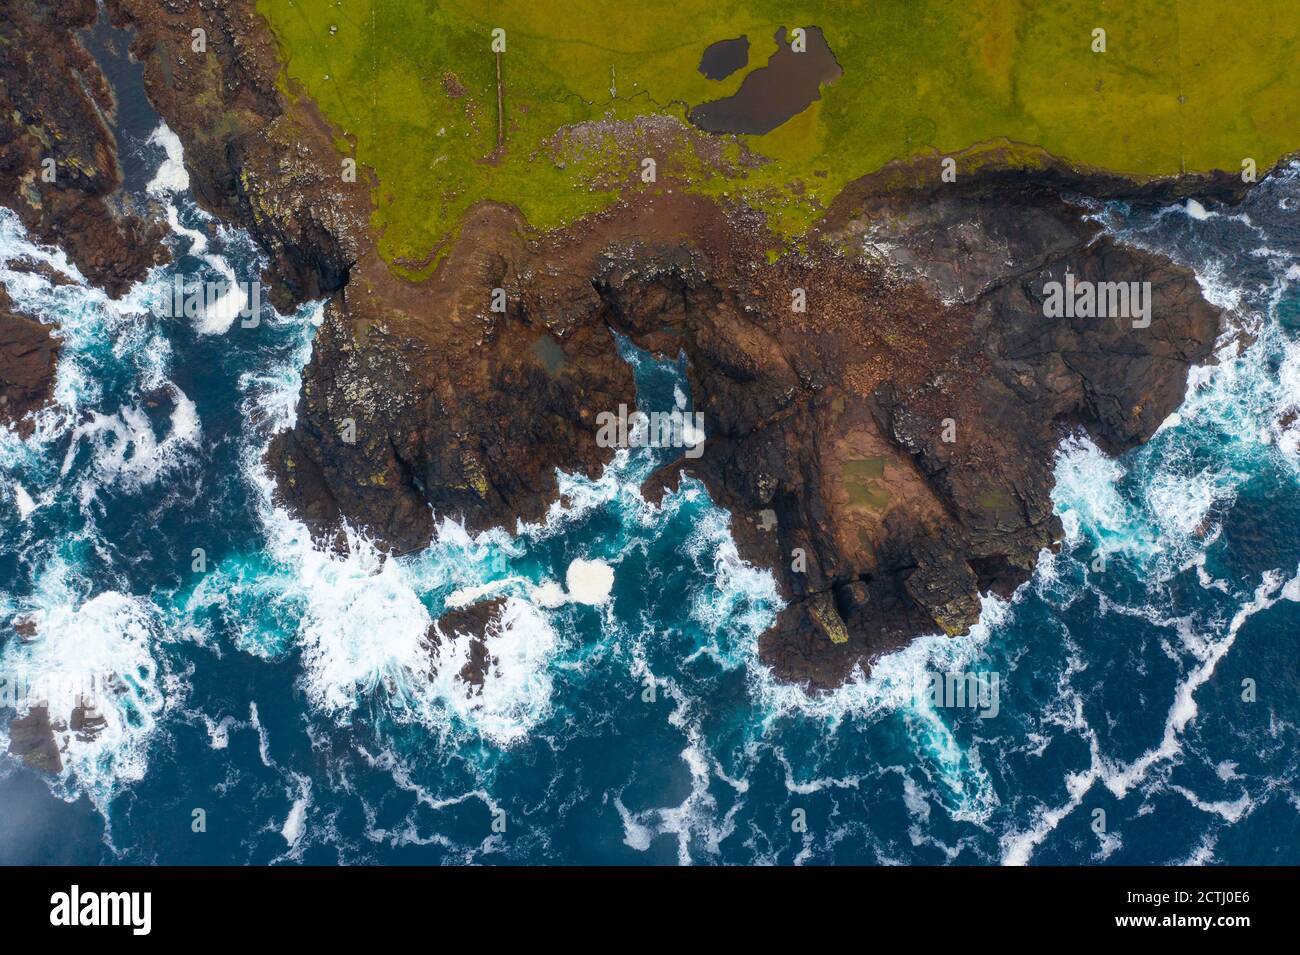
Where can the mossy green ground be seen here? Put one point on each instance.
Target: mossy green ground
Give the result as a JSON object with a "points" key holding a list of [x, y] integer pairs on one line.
{"points": [[1188, 86]]}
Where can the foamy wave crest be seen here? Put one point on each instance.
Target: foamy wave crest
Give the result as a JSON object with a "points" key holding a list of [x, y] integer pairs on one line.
{"points": [[1087, 497], [96, 652], [89, 650], [739, 602], [516, 691], [892, 689], [362, 623], [125, 450], [272, 392], [578, 495], [102, 337], [364, 628]]}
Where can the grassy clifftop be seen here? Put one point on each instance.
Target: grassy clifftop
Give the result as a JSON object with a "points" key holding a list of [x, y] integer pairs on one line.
{"points": [[1183, 85]]}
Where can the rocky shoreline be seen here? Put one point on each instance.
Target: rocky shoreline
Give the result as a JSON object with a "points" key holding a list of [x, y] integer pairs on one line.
{"points": [[886, 451], [58, 158]]}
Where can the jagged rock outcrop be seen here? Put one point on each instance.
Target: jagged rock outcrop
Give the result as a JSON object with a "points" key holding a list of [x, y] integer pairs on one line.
{"points": [[253, 158], [28, 359], [440, 401], [31, 739], [477, 622], [58, 159]]}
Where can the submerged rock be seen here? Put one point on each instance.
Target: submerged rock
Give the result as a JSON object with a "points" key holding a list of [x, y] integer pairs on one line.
{"points": [[87, 721], [31, 739], [477, 622]]}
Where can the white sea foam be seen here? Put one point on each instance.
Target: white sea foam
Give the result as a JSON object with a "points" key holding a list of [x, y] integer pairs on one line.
{"points": [[891, 685], [1119, 777], [1230, 812], [1241, 406], [549, 594], [97, 332], [891, 688], [197, 238], [296, 822], [171, 176], [100, 650], [23, 501], [362, 624], [99, 639], [589, 581], [364, 634], [468, 596], [219, 731], [695, 820], [365, 629], [217, 318], [1087, 496], [125, 450], [740, 600], [84, 632], [1203, 854]]}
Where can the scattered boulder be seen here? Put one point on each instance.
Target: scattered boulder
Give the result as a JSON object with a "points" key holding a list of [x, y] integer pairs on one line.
{"points": [[28, 359], [31, 739]]}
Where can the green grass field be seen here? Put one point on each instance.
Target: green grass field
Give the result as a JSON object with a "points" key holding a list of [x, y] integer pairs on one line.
{"points": [[1192, 85]]}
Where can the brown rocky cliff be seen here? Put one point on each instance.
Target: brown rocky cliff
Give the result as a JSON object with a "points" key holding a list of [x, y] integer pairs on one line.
{"points": [[253, 158], [28, 358], [53, 104], [826, 428], [833, 421]]}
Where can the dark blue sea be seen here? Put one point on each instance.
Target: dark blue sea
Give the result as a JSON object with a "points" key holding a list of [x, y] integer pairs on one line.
{"points": [[277, 699]]}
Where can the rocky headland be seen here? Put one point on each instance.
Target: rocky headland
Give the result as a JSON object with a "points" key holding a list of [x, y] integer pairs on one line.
{"points": [[886, 449]]}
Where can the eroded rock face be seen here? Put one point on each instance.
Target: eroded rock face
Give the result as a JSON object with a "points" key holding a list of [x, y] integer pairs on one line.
{"points": [[452, 405], [28, 359], [58, 159], [836, 420], [251, 158], [887, 452]]}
